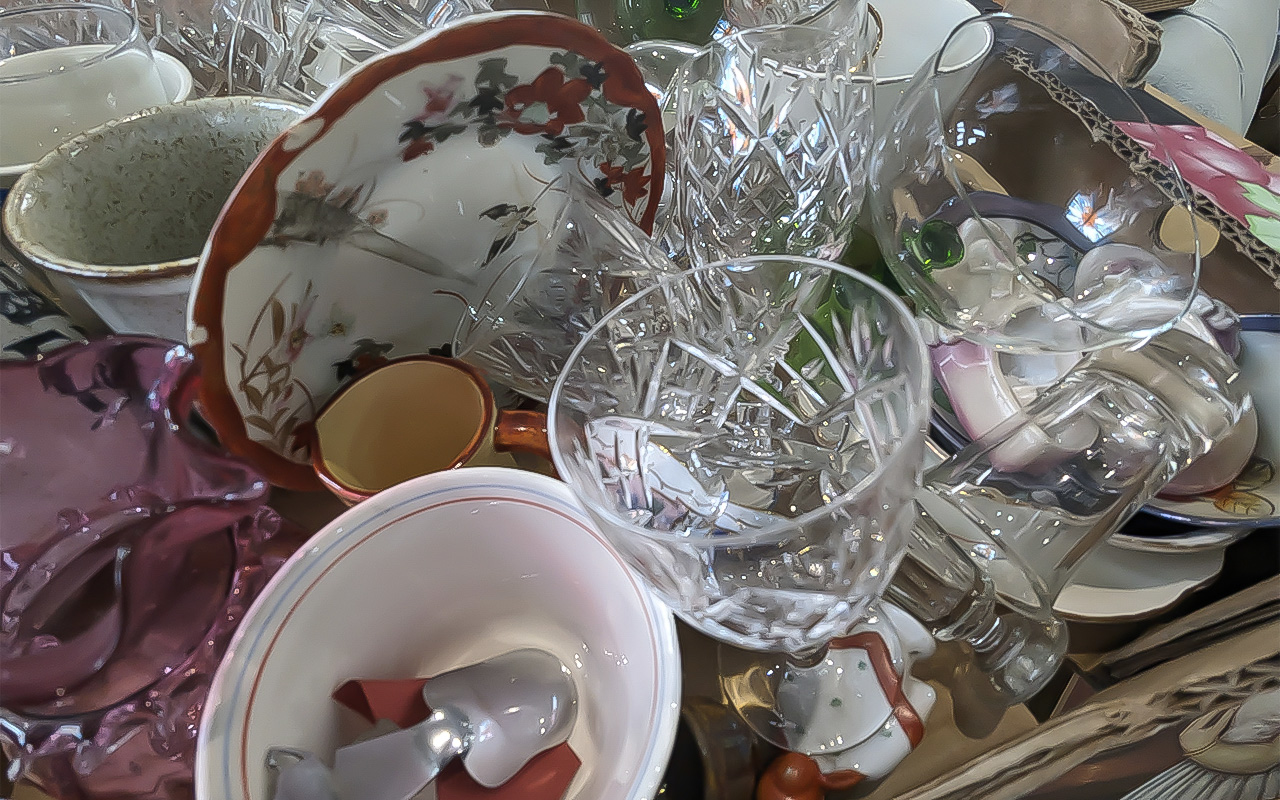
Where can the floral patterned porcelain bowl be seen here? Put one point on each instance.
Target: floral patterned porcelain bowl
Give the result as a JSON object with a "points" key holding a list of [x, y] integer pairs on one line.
{"points": [[366, 230]]}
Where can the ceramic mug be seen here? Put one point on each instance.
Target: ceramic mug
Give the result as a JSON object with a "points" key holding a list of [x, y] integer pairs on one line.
{"points": [[121, 212], [415, 416]]}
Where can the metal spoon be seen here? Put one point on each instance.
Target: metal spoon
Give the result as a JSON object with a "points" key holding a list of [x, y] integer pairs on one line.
{"points": [[496, 715]]}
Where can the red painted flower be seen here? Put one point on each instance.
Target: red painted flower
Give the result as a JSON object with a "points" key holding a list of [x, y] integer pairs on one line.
{"points": [[440, 101], [562, 101], [417, 147], [634, 183]]}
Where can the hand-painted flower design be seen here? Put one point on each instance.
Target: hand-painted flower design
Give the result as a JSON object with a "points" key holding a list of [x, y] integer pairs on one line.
{"points": [[297, 336], [313, 184], [547, 104], [634, 183], [440, 101], [1235, 181]]}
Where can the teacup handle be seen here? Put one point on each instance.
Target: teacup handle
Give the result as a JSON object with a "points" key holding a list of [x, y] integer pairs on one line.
{"points": [[522, 432]]}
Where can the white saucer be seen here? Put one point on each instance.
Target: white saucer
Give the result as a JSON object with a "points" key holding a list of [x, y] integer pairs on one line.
{"points": [[1117, 585]]}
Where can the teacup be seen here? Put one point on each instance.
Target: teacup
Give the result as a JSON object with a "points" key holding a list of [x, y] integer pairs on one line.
{"points": [[412, 417], [68, 67], [178, 85], [121, 212]]}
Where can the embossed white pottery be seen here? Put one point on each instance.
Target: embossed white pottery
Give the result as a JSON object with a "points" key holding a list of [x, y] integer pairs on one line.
{"points": [[121, 212]]}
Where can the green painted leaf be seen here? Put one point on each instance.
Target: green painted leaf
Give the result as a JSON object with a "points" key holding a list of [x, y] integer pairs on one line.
{"points": [[277, 320], [493, 74], [253, 396], [1261, 196], [1265, 228], [260, 423]]}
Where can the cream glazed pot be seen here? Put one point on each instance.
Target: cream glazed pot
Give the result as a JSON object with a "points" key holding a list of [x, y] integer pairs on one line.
{"points": [[121, 212]]}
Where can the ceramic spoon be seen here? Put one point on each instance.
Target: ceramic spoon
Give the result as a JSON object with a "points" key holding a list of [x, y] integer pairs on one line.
{"points": [[495, 715]]}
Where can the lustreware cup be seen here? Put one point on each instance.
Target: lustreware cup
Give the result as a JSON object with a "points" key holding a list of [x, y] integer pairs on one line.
{"points": [[121, 212], [413, 417]]}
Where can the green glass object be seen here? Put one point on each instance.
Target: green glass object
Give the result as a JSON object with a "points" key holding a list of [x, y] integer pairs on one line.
{"points": [[935, 246], [680, 10], [628, 21], [863, 254], [834, 311]]}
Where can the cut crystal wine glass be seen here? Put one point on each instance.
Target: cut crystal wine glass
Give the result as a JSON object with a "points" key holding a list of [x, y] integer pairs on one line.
{"points": [[749, 435], [773, 132]]}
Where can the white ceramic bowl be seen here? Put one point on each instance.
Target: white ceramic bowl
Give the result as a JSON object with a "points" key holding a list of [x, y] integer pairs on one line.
{"points": [[441, 572], [912, 31]]}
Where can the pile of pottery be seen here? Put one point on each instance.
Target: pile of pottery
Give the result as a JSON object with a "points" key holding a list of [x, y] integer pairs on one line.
{"points": [[414, 254]]}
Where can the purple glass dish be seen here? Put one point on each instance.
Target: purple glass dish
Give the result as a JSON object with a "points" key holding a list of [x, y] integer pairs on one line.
{"points": [[131, 550]]}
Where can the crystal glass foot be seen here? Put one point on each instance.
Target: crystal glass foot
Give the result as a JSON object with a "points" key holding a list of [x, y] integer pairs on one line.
{"points": [[1006, 205], [773, 132], [587, 259], [748, 435]]}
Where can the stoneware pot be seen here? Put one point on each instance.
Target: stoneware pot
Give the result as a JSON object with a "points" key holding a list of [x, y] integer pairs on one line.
{"points": [[121, 212]]}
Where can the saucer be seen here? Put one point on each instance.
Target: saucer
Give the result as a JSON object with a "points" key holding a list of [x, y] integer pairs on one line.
{"points": [[1117, 585], [1253, 499], [365, 231]]}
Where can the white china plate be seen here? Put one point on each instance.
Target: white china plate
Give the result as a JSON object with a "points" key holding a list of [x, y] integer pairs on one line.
{"points": [[365, 231], [1115, 585]]}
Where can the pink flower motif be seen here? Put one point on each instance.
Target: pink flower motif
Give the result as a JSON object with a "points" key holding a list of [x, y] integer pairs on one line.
{"points": [[313, 184], [440, 101], [297, 336], [1208, 162]]}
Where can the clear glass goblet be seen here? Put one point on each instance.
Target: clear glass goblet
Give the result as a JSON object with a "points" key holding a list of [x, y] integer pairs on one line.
{"points": [[749, 435], [587, 259], [773, 133], [1013, 208]]}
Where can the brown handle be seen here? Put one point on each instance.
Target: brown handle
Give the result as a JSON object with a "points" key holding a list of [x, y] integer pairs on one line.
{"points": [[523, 432]]}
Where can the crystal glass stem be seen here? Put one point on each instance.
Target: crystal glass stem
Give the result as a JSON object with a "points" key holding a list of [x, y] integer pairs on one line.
{"points": [[1016, 640]]}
